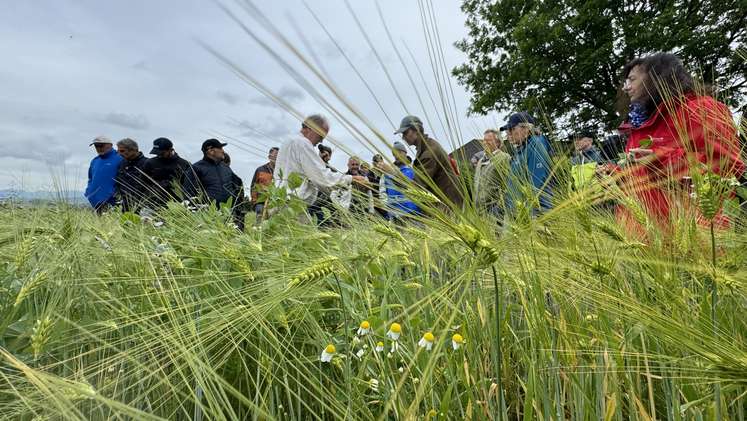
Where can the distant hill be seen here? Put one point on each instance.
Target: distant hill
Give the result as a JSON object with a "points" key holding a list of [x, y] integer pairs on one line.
{"points": [[72, 197]]}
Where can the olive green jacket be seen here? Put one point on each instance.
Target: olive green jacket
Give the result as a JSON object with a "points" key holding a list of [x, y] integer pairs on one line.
{"points": [[432, 166]]}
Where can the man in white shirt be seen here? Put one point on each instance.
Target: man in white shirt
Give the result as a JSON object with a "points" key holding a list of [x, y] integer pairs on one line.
{"points": [[299, 156]]}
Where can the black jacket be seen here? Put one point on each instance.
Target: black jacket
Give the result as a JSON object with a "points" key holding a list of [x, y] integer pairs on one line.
{"points": [[214, 180], [163, 174], [131, 187]]}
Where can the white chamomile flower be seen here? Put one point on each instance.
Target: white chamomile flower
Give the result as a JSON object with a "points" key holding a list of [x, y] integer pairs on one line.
{"points": [[365, 328], [394, 331], [380, 347], [456, 341], [427, 341], [374, 384], [328, 353], [360, 353]]}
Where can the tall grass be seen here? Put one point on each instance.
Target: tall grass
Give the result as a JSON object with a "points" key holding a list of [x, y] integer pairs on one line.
{"points": [[109, 317]]}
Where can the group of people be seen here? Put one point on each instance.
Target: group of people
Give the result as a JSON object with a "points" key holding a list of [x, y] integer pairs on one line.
{"points": [[669, 128], [125, 177]]}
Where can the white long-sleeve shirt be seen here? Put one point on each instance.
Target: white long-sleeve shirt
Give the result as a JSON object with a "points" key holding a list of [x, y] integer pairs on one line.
{"points": [[299, 156]]}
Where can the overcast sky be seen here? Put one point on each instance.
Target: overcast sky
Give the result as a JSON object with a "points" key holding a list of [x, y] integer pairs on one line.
{"points": [[76, 69]]}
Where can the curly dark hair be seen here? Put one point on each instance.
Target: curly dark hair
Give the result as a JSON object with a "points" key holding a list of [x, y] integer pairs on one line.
{"points": [[666, 77]]}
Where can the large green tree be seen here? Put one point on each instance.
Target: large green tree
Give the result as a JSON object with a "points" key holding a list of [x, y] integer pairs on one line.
{"points": [[562, 59]]}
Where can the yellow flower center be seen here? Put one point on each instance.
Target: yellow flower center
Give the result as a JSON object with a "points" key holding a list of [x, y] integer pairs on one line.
{"points": [[330, 349], [365, 324], [428, 337], [457, 338], [396, 328]]}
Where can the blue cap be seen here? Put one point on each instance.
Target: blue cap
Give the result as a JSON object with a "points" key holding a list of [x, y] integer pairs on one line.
{"points": [[518, 118]]}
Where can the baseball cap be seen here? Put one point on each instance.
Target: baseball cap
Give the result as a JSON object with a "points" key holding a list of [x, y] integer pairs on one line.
{"points": [[582, 133], [409, 122], [399, 146], [518, 118], [100, 139], [212, 143], [160, 145]]}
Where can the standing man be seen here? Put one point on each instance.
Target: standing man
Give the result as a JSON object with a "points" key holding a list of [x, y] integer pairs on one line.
{"points": [[433, 168], [130, 181], [324, 199], [359, 199], [585, 151], [210, 178], [240, 204], [491, 171], [101, 173], [261, 180], [398, 205], [375, 180], [165, 172], [585, 159], [529, 168], [298, 156]]}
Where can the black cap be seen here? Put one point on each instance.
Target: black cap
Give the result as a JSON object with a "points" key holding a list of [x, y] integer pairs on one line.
{"points": [[212, 143], [518, 118], [161, 145], [582, 133]]}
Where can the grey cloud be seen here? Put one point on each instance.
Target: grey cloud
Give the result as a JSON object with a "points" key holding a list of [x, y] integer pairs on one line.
{"points": [[289, 94], [227, 97], [141, 65], [129, 121], [262, 101], [44, 148], [272, 128]]}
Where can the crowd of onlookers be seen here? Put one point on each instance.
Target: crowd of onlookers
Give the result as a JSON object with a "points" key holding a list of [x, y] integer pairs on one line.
{"points": [[671, 131]]}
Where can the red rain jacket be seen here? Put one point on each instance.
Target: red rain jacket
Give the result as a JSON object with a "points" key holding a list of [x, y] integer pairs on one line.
{"points": [[696, 126]]}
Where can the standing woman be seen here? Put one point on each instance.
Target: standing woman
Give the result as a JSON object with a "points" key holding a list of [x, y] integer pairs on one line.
{"points": [[670, 127]]}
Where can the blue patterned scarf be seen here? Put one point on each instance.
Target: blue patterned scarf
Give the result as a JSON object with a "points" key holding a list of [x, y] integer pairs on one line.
{"points": [[637, 114]]}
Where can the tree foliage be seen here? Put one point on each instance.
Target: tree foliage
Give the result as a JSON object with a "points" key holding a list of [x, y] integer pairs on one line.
{"points": [[562, 59]]}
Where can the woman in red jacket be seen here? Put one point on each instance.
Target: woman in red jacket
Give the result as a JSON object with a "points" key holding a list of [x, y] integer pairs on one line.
{"points": [[671, 129]]}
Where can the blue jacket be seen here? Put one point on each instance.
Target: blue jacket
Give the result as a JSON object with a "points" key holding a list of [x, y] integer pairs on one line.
{"points": [[530, 168], [101, 174], [396, 200]]}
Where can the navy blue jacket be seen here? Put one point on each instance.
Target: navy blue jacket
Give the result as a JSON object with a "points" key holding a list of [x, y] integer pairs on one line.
{"points": [[530, 172], [215, 180], [101, 173]]}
